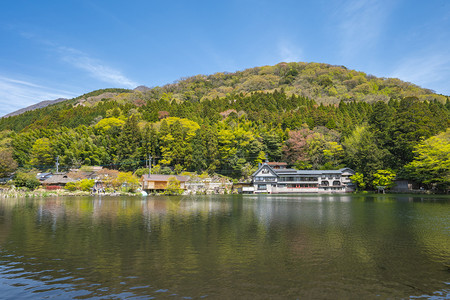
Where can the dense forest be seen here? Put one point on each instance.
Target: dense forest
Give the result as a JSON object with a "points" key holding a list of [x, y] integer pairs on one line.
{"points": [[313, 116]]}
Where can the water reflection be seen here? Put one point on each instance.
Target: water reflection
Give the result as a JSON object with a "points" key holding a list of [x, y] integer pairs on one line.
{"points": [[312, 246]]}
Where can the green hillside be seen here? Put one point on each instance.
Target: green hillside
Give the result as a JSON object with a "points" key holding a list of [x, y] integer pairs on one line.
{"points": [[310, 115]]}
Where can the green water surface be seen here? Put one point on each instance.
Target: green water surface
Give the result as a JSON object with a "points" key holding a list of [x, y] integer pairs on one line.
{"points": [[226, 247]]}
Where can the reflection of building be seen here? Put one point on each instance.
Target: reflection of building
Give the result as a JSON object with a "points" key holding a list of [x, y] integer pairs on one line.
{"points": [[155, 182], [282, 180]]}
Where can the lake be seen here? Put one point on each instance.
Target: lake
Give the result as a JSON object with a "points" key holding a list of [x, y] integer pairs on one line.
{"points": [[226, 246]]}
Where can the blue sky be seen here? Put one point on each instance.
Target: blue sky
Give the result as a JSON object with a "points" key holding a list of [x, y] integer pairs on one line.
{"points": [[53, 49]]}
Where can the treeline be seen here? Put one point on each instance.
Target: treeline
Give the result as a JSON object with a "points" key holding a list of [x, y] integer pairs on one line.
{"points": [[231, 135]]}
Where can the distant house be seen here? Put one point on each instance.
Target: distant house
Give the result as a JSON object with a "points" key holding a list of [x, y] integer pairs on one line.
{"points": [[282, 180], [43, 176], [58, 179], [402, 185], [158, 182], [208, 185]]}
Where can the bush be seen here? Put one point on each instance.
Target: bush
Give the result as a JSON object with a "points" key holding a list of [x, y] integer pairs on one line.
{"points": [[86, 184], [83, 185], [27, 180], [71, 186]]}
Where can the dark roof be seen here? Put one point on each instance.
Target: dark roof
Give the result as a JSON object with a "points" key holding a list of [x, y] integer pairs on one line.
{"points": [[58, 179], [308, 172], [160, 177]]}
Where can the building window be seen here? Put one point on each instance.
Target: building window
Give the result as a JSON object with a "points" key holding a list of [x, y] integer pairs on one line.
{"points": [[262, 187]]}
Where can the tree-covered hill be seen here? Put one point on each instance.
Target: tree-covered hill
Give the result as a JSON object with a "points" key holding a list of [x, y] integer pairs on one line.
{"points": [[310, 115], [326, 84]]}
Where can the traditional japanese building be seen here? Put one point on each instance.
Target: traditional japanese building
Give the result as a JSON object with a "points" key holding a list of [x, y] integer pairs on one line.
{"points": [[268, 179], [158, 182]]}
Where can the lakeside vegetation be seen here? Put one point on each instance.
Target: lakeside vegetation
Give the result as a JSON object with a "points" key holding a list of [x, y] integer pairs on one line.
{"points": [[227, 123]]}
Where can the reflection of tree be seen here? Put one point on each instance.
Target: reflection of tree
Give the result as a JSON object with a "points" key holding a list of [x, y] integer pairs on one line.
{"points": [[226, 246]]}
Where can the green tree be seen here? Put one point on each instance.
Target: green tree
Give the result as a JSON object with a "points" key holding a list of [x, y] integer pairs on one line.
{"points": [[362, 153], [42, 153], [333, 154], [383, 178], [28, 180], [358, 179], [431, 164], [7, 163], [413, 122], [85, 184], [127, 181], [205, 150], [128, 145], [173, 187]]}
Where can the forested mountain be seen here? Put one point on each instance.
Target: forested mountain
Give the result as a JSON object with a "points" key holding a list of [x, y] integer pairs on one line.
{"points": [[41, 104], [310, 115]]}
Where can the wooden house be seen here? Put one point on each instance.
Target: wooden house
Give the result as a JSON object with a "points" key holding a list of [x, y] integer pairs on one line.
{"points": [[158, 182]]}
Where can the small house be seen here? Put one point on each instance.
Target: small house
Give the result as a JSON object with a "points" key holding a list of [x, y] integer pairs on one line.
{"points": [[158, 182], [57, 180]]}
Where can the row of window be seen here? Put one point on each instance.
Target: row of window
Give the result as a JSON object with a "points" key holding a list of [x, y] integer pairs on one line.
{"points": [[298, 178], [326, 183], [293, 179], [265, 179], [291, 186]]}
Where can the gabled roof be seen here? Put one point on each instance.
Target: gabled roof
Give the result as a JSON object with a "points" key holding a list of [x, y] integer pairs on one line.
{"points": [[311, 172], [263, 166], [160, 177]]}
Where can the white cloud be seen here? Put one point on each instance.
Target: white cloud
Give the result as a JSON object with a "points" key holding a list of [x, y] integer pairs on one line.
{"points": [[16, 94], [428, 71], [81, 60], [360, 24], [288, 52], [94, 67]]}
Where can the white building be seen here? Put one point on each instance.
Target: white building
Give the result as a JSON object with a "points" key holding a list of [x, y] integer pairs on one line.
{"points": [[274, 178]]}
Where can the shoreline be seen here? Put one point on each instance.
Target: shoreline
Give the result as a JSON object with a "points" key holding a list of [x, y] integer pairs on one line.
{"points": [[45, 193], [40, 193]]}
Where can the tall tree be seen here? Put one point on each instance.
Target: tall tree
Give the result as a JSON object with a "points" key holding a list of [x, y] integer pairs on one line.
{"points": [[7, 163], [128, 145], [431, 164]]}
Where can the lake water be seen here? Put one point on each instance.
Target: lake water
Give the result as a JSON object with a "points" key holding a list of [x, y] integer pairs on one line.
{"points": [[240, 246]]}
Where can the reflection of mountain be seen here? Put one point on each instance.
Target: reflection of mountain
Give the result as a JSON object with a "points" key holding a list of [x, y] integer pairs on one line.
{"points": [[338, 246]]}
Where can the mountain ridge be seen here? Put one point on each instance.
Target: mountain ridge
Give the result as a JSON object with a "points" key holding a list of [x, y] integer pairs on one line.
{"points": [[325, 83], [38, 105]]}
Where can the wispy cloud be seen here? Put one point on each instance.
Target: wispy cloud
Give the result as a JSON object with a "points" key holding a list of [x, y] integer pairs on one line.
{"points": [[288, 52], [426, 70], [17, 93], [360, 24], [94, 67]]}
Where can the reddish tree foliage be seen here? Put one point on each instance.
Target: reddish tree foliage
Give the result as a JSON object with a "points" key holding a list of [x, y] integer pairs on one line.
{"points": [[163, 114], [226, 113], [296, 147]]}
